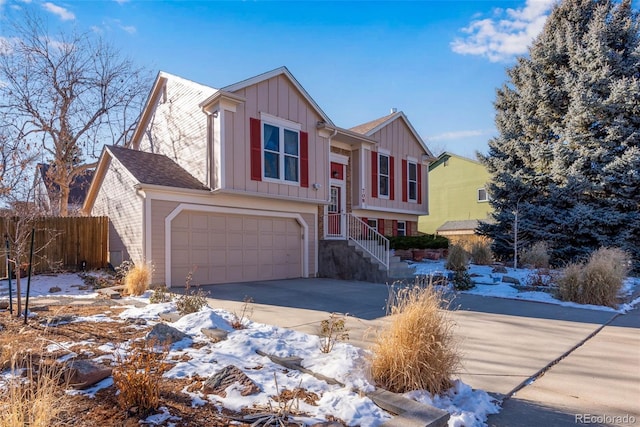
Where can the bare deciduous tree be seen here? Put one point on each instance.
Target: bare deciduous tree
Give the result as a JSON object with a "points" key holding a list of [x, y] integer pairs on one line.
{"points": [[70, 94]]}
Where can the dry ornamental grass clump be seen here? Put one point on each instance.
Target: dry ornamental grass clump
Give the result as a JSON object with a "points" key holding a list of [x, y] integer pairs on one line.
{"points": [[536, 256], [137, 279], [596, 282], [32, 395], [417, 351]]}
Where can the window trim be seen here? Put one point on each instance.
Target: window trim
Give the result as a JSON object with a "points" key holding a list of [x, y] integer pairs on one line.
{"points": [[373, 220], [388, 175], [413, 162], [486, 195], [282, 125], [404, 228]]}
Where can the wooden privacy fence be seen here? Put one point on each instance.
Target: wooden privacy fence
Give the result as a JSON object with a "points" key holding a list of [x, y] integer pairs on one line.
{"points": [[61, 243]]}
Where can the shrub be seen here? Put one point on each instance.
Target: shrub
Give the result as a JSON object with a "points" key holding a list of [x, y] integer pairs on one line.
{"points": [[458, 258], [596, 282], [239, 320], [160, 295], [481, 253], [462, 280], [331, 331], [536, 256], [137, 376], [416, 351], [137, 279], [191, 301], [35, 400], [423, 241]]}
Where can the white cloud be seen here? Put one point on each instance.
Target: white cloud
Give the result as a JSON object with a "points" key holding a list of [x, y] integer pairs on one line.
{"points": [[460, 134], [507, 34], [121, 1], [60, 11], [5, 46], [129, 29]]}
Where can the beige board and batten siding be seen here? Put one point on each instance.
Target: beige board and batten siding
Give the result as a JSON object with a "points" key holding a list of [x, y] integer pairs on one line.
{"points": [[178, 127], [400, 143], [117, 195], [277, 97], [221, 263]]}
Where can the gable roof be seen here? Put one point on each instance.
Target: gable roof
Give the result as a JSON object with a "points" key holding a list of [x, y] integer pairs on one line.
{"points": [[77, 189], [156, 91], [374, 126], [273, 73], [447, 155], [155, 169]]}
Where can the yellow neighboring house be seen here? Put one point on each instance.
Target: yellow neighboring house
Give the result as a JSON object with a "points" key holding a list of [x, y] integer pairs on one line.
{"points": [[458, 198]]}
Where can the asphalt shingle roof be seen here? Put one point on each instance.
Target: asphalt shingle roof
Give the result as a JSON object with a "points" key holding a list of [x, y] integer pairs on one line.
{"points": [[366, 127], [155, 169]]}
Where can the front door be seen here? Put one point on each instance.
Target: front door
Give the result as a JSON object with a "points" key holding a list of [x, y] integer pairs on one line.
{"points": [[334, 211]]}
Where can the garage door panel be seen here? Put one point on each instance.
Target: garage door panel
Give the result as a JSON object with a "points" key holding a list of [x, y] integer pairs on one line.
{"points": [[234, 248]]}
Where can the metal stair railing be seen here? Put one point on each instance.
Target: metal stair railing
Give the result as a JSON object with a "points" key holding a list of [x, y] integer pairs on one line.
{"points": [[368, 239]]}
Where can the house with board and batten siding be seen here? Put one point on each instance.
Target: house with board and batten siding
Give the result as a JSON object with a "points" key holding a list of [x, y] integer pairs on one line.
{"points": [[254, 181]]}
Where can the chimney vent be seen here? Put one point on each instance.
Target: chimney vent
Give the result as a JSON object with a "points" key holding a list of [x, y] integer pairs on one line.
{"points": [[394, 110]]}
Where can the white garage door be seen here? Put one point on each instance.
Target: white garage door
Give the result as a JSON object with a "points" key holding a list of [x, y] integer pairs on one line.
{"points": [[224, 248]]}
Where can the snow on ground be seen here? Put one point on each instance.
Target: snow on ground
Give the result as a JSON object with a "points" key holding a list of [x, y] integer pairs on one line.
{"points": [[70, 284], [346, 363], [490, 284]]}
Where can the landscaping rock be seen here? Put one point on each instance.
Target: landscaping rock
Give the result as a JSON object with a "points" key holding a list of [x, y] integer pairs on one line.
{"points": [[170, 317], [165, 334], [4, 305], [61, 319], [509, 279], [215, 334], [81, 374], [499, 269], [54, 289], [219, 382]]}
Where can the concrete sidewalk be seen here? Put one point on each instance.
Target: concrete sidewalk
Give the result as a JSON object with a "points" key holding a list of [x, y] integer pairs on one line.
{"points": [[504, 343]]}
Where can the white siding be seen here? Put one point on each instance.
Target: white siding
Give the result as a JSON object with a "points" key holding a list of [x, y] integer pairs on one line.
{"points": [[118, 200]]}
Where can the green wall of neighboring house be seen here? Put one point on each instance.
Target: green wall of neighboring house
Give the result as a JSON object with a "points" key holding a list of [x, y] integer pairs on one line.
{"points": [[453, 192]]}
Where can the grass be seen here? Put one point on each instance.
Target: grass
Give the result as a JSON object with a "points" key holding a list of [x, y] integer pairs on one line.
{"points": [[32, 395], [458, 258], [481, 253], [137, 280], [598, 281], [417, 351], [536, 256]]}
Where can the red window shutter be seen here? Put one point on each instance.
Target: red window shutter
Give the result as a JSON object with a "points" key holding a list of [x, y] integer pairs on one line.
{"points": [[381, 226], [392, 170], [404, 180], [255, 141], [374, 174], [304, 159], [407, 226], [419, 177], [394, 226], [364, 220]]}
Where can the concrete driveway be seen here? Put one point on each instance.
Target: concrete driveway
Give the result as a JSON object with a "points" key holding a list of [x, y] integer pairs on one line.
{"points": [[551, 364]]}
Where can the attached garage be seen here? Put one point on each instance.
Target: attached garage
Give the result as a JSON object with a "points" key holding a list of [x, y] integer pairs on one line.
{"points": [[223, 247]]}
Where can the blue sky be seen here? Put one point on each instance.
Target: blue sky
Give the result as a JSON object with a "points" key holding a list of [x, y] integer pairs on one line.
{"points": [[438, 61]]}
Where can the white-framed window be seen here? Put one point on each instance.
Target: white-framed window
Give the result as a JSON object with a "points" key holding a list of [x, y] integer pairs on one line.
{"points": [[412, 181], [383, 175], [401, 228], [373, 223], [482, 195], [281, 153]]}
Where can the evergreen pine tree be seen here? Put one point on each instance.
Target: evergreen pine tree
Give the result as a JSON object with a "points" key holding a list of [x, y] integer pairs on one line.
{"points": [[566, 156]]}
